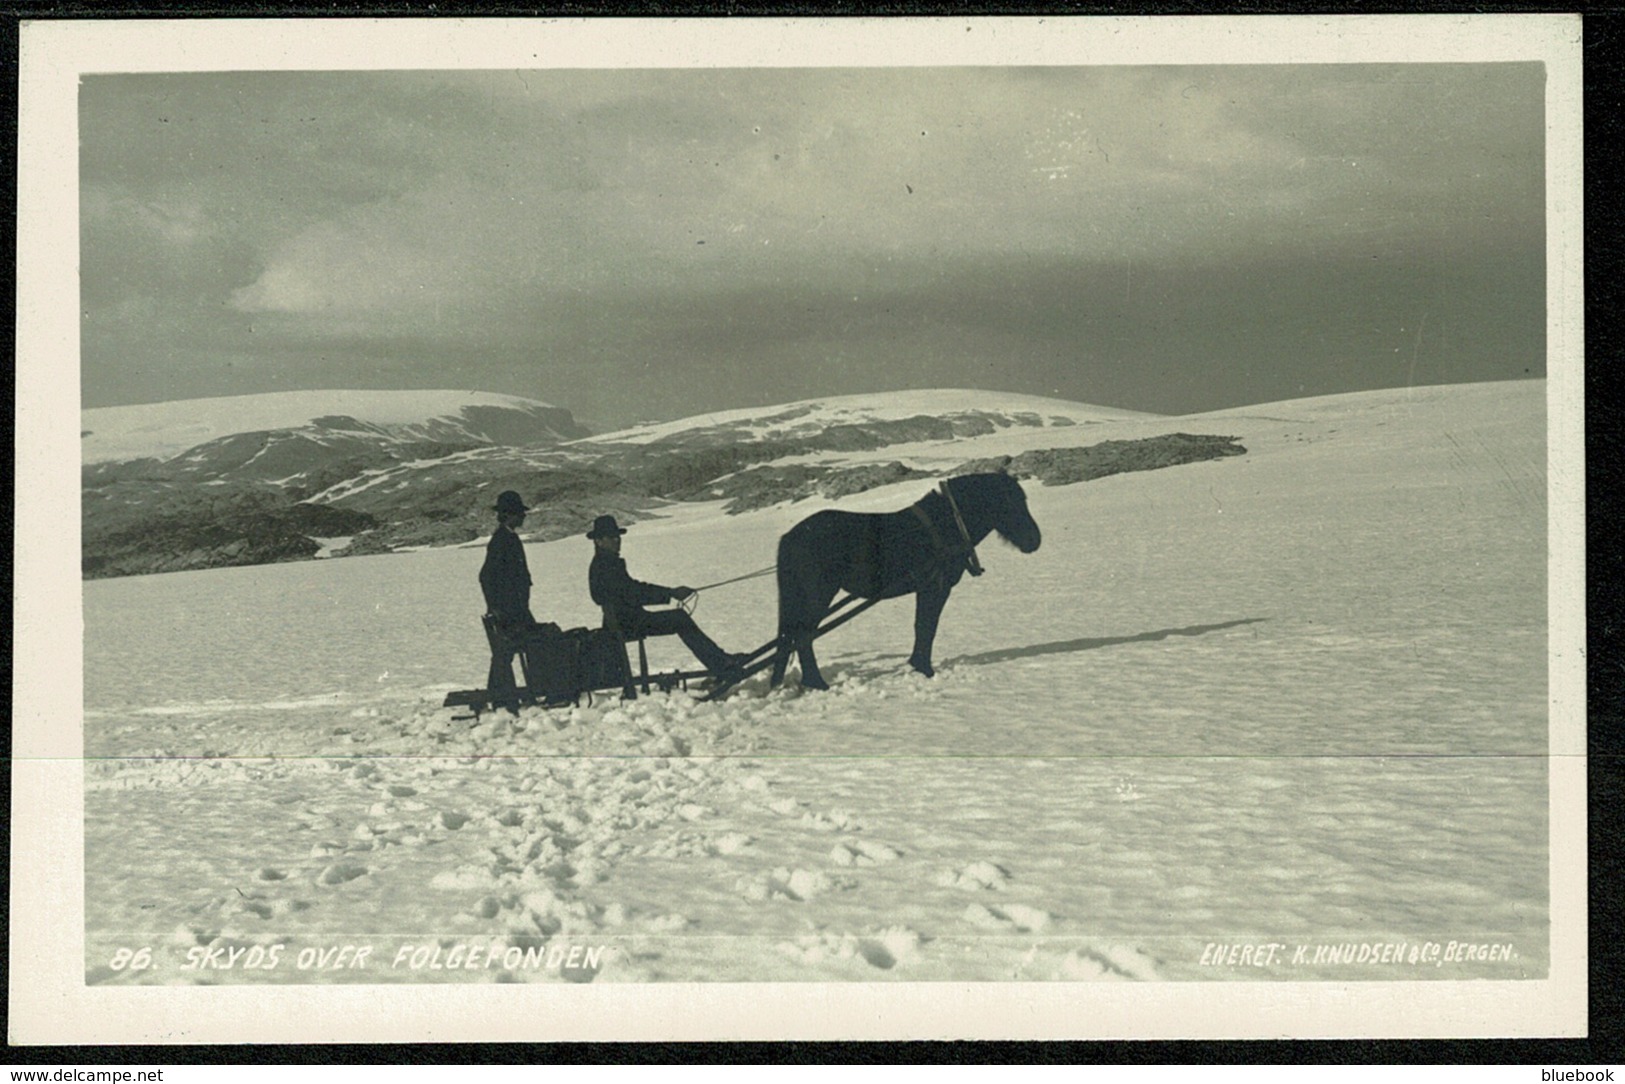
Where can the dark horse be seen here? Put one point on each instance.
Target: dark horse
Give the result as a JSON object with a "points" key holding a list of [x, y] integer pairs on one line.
{"points": [[921, 551]]}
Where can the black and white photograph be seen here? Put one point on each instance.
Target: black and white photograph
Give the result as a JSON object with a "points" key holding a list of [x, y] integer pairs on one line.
{"points": [[1074, 522]]}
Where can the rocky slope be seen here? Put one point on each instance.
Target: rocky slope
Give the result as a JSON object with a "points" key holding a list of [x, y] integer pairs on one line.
{"points": [[343, 485]]}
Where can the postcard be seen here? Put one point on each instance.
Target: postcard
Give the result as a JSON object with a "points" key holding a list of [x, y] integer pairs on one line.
{"points": [[789, 528]]}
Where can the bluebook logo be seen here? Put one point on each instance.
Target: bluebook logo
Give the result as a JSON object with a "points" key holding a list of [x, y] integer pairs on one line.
{"points": [[1576, 1074]]}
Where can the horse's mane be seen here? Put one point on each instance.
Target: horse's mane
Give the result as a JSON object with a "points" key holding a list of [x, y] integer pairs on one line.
{"points": [[980, 486]]}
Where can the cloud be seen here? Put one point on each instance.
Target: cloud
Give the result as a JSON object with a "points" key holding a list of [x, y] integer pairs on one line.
{"points": [[169, 222], [390, 220]]}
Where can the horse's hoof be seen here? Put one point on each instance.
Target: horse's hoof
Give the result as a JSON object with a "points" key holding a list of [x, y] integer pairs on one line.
{"points": [[815, 683], [923, 668]]}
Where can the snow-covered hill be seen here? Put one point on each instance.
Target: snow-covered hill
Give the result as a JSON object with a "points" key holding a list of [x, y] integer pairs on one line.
{"points": [[1296, 697], [165, 430], [263, 478], [954, 412]]}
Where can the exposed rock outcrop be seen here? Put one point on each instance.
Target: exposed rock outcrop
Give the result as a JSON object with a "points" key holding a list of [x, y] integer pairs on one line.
{"points": [[1065, 466]]}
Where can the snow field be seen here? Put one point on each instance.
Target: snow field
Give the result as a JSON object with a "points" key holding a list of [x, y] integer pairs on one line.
{"points": [[1295, 695]]}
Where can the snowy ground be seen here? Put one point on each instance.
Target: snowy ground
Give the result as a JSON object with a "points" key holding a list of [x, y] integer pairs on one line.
{"points": [[1293, 698]]}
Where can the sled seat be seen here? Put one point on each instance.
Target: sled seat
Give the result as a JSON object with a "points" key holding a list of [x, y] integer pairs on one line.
{"points": [[629, 690]]}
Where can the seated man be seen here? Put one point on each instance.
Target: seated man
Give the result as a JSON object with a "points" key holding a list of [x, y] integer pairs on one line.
{"points": [[505, 582], [623, 599]]}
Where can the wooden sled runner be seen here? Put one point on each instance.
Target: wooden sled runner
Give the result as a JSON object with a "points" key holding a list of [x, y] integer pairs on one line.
{"points": [[628, 683], [560, 667]]}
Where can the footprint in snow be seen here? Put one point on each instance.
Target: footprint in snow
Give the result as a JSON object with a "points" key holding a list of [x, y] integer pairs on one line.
{"points": [[1107, 963], [976, 876], [835, 821], [463, 878], [341, 873], [731, 843], [1015, 916], [883, 950], [889, 947], [190, 935], [254, 906], [864, 852], [669, 923], [797, 885], [284, 907]]}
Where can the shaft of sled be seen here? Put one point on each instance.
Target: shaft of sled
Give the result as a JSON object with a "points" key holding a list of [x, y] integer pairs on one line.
{"points": [[849, 614], [844, 604]]}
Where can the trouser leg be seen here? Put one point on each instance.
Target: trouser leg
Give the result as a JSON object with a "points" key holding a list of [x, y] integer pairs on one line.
{"points": [[500, 682], [667, 622]]}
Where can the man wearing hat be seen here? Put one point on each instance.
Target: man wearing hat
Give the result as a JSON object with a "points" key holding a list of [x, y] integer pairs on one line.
{"points": [[623, 599], [505, 580]]}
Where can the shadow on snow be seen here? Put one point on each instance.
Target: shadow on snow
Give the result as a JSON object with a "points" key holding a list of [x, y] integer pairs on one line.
{"points": [[1062, 647]]}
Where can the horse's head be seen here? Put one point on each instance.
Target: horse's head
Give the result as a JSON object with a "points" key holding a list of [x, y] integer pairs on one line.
{"points": [[996, 502]]}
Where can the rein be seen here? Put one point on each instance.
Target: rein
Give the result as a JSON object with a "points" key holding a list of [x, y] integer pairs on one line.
{"points": [[692, 602], [737, 579]]}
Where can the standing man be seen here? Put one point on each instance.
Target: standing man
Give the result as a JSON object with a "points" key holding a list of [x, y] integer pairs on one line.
{"points": [[505, 580], [623, 599]]}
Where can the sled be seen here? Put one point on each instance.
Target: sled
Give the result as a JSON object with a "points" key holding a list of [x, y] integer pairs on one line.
{"points": [[597, 661]]}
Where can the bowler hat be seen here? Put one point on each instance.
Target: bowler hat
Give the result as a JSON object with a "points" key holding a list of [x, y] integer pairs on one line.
{"points": [[604, 526], [509, 501]]}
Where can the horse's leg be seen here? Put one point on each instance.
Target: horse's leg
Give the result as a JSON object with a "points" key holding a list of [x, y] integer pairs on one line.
{"points": [[928, 604], [792, 599], [805, 589], [781, 659], [811, 676]]}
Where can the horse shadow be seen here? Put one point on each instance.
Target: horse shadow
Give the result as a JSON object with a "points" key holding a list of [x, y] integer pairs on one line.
{"points": [[1063, 647]]}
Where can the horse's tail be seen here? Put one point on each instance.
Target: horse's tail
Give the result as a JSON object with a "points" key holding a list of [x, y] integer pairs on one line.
{"points": [[799, 571], [791, 607]]}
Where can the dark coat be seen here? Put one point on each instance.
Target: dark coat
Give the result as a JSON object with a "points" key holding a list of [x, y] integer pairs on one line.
{"points": [[505, 578], [618, 593]]}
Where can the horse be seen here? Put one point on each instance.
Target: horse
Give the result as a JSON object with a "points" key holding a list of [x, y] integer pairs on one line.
{"points": [[923, 550]]}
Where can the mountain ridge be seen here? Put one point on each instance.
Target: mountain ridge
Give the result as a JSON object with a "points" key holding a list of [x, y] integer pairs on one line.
{"points": [[346, 486], [165, 430]]}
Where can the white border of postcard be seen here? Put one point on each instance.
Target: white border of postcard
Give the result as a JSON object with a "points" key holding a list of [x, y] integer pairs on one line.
{"points": [[49, 1002]]}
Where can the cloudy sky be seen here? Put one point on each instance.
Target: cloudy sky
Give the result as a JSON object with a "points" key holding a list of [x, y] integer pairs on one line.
{"points": [[650, 244]]}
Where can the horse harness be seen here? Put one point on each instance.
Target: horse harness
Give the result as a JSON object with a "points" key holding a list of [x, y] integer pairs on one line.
{"points": [[947, 552]]}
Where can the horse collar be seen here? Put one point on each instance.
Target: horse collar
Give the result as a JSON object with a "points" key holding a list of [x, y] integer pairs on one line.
{"points": [[968, 553], [971, 563]]}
